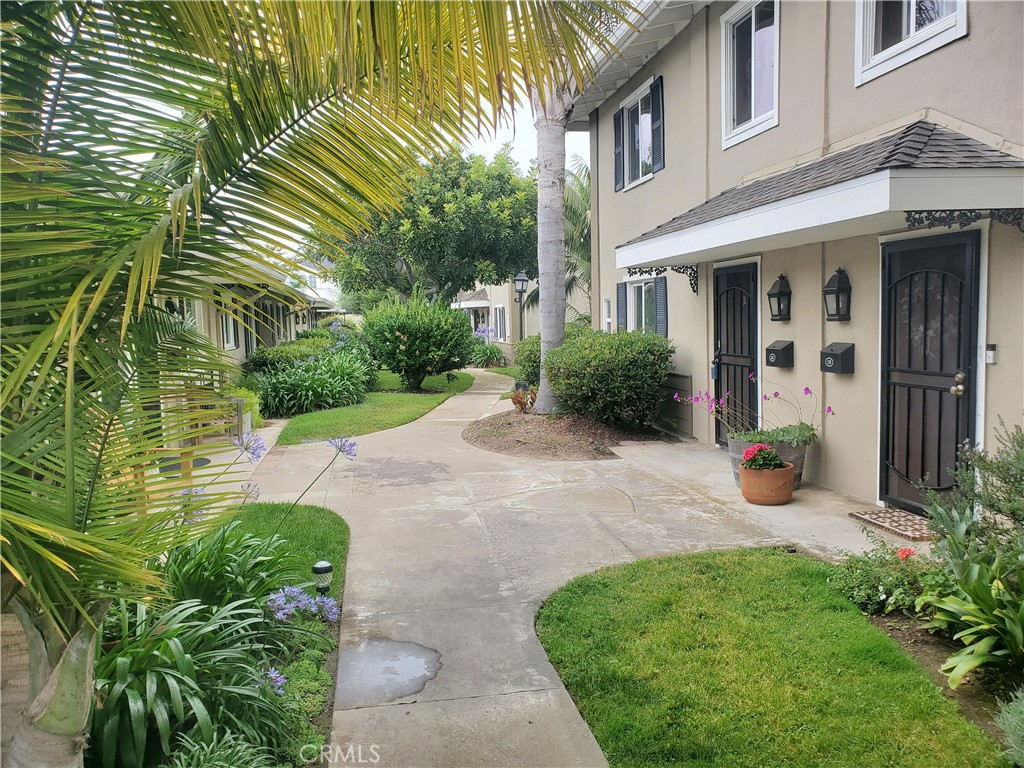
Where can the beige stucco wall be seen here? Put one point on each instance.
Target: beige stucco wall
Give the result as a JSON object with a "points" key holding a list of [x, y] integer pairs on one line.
{"points": [[1004, 381], [973, 85]]}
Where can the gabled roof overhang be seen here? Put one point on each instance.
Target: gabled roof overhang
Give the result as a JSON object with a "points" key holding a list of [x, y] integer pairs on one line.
{"points": [[656, 22], [871, 204]]}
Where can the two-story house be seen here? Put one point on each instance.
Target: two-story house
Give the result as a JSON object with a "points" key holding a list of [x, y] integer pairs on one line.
{"points": [[859, 159]]}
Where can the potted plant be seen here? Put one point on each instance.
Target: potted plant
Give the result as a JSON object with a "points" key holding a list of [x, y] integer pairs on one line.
{"points": [[764, 477], [789, 439]]}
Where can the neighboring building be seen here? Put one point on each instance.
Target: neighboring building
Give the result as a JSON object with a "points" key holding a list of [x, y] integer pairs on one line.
{"points": [[735, 142], [497, 307]]}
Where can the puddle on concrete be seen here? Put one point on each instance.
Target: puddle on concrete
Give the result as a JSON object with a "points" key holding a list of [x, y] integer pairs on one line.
{"points": [[380, 670]]}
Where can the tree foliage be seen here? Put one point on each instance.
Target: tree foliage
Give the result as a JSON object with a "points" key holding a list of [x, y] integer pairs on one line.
{"points": [[464, 221]]}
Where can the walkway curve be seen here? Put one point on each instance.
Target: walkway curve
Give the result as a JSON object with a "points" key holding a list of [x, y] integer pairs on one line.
{"points": [[453, 551]]}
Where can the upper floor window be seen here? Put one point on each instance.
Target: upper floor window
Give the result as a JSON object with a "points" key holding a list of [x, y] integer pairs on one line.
{"points": [[640, 135], [750, 70], [891, 33]]}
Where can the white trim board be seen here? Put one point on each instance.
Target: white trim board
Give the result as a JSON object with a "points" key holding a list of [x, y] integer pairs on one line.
{"points": [[865, 205]]}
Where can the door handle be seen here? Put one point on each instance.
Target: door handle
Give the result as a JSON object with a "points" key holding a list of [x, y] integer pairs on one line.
{"points": [[959, 377], [957, 390]]}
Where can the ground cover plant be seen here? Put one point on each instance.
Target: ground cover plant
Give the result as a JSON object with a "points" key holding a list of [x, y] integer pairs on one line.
{"points": [[384, 408], [745, 658]]}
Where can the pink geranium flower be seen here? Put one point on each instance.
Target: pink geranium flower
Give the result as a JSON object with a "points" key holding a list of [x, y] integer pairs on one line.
{"points": [[904, 552]]}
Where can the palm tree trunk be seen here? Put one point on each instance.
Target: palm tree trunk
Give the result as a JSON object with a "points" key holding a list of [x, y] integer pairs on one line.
{"points": [[550, 125], [52, 730]]}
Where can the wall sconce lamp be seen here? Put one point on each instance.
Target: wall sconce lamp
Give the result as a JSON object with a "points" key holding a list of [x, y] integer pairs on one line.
{"points": [[837, 292], [778, 298]]}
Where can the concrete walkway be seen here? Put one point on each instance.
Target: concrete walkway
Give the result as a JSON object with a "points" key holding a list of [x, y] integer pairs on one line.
{"points": [[453, 551]]}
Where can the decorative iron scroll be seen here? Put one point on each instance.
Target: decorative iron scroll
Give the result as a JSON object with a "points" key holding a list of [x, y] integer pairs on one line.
{"points": [[1013, 217], [689, 270]]}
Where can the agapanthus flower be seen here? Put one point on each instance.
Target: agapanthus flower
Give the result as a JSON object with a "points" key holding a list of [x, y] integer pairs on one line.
{"points": [[250, 491], [344, 445], [252, 445], [286, 602], [197, 493], [326, 608], [277, 680]]}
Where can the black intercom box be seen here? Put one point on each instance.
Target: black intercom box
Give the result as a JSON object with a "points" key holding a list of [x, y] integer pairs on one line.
{"points": [[837, 358], [779, 354]]}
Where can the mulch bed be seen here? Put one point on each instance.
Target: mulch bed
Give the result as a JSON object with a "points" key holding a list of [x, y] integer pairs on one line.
{"points": [[977, 697], [566, 438]]}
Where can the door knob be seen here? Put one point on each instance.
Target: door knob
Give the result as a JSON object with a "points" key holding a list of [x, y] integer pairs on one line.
{"points": [[959, 377], [957, 390]]}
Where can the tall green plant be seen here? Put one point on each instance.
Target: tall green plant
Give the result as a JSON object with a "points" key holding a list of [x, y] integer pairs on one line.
{"points": [[164, 149]]}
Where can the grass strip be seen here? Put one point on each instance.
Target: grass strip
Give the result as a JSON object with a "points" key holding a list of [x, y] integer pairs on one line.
{"points": [[745, 658]]}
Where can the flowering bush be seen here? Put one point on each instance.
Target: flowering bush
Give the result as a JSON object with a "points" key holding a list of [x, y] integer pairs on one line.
{"points": [[761, 456], [885, 578]]}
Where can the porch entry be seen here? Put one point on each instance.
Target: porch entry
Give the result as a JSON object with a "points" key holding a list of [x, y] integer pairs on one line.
{"points": [[736, 316], [929, 336]]}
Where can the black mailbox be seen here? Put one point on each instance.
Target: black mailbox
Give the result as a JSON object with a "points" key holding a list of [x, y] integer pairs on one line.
{"points": [[837, 358], [779, 354]]}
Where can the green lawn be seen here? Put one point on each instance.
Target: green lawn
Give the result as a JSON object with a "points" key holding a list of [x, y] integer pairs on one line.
{"points": [[383, 408], [313, 533], [745, 658], [508, 370]]}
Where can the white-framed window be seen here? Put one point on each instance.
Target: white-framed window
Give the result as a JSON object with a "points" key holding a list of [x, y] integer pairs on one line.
{"points": [[641, 306], [750, 70], [228, 331], [500, 324], [891, 33], [606, 314]]}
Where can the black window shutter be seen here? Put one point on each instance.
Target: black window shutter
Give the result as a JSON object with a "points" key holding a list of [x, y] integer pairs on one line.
{"points": [[620, 157], [661, 306], [657, 125], [620, 307]]}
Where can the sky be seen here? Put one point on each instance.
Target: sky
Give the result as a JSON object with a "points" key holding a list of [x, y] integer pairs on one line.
{"points": [[523, 138]]}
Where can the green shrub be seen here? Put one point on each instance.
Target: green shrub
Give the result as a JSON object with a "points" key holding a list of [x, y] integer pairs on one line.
{"points": [[230, 565], [314, 333], [338, 323], [328, 381], [417, 339], [223, 750], [1010, 721], [885, 578], [985, 606], [190, 663], [269, 358], [611, 377], [251, 404], [527, 352], [486, 355]]}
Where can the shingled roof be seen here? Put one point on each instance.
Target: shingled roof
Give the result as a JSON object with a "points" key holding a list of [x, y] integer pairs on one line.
{"points": [[480, 294], [920, 145]]}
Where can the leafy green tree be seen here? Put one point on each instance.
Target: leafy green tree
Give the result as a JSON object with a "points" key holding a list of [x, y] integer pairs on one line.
{"points": [[161, 149], [463, 221]]}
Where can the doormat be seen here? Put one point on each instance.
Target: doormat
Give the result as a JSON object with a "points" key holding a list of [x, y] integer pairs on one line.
{"points": [[897, 522]]}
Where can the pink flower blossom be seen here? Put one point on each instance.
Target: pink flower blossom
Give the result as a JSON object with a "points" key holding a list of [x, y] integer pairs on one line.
{"points": [[807, 390], [904, 552], [829, 411], [775, 395]]}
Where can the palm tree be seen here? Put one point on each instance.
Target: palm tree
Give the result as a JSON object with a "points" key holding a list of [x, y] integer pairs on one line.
{"points": [[577, 237], [160, 150]]}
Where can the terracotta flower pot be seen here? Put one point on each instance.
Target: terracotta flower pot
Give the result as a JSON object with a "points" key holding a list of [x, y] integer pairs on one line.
{"points": [[793, 454], [768, 487]]}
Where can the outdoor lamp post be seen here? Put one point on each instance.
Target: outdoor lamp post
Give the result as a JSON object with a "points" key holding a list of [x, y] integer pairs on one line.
{"points": [[520, 281], [778, 298], [323, 572], [837, 292]]}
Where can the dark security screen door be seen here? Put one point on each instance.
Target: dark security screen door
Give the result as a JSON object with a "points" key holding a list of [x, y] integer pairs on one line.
{"points": [[736, 341], [930, 302]]}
